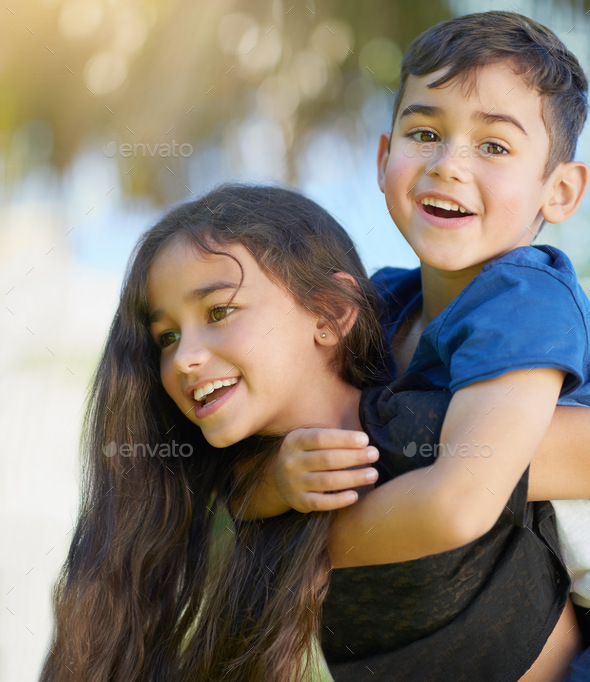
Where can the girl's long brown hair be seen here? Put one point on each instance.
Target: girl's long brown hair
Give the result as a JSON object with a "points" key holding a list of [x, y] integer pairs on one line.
{"points": [[160, 582]]}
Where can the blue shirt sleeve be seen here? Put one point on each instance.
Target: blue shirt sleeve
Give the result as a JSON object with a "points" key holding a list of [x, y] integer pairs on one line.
{"points": [[399, 293], [523, 311]]}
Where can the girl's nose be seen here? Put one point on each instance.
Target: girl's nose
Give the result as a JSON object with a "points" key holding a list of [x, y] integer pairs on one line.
{"points": [[190, 354]]}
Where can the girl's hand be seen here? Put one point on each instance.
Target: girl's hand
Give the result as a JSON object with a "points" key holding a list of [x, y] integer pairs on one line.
{"points": [[319, 469]]}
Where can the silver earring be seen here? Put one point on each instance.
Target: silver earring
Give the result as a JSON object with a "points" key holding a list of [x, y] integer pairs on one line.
{"points": [[323, 335]]}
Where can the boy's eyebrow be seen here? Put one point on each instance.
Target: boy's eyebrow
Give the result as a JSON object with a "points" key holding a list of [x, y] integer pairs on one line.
{"points": [[424, 109], [499, 118], [431, 111], [196, 294]]}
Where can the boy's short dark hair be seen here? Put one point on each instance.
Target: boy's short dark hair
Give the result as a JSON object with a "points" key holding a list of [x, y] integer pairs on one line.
{"points": [[463, 44]]}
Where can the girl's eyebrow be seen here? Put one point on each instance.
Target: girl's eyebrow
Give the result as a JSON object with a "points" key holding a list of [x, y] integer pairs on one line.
{"points": [[203, 292], [196, 294]]}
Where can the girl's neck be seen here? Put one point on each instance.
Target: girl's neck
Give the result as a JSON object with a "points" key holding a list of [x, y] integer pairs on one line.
{"points": [[340, 409], [350, 416], [330, 403]]}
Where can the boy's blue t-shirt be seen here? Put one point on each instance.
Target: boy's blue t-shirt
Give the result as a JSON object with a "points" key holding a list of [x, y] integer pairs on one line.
{"points": [[524, 310]]}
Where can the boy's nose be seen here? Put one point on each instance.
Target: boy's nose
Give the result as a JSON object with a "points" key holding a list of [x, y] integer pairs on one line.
{"points": [[450, 162], [190, 354]]}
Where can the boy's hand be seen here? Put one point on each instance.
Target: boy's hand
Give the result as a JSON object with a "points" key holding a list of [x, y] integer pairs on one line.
{"points": [[313, 471]]}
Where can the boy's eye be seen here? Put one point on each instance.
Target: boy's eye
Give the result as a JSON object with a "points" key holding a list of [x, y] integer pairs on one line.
{"points": [[167, 339], [220, 312], [492, 148], [423, 136]]}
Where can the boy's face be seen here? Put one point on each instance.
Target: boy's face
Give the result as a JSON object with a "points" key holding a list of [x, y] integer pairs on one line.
{"points": [[463, 176]]}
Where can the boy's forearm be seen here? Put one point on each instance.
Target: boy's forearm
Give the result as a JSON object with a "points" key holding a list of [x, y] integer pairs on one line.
{"points": [[560, 470], [406, 518], [491, 433], [264, 501], [264, 504]]}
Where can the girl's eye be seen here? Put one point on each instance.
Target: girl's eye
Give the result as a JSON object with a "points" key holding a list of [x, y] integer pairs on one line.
{"points": [[167, 339], [220, 312], [423, 136], [493, 149]]}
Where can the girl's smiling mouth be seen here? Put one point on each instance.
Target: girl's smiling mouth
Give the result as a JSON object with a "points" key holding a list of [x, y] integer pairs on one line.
{"points": [[202, 393], [213, 394]]}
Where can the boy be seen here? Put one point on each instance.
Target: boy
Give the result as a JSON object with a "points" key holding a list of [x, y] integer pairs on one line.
{"points": [[485, 126], [518, 121]]}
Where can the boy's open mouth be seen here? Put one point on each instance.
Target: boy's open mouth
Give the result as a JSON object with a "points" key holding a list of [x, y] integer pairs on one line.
{"points": [[213, 390], [444, 209]]}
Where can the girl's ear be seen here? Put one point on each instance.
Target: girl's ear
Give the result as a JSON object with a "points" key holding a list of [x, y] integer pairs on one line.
{"points": [[346, 317], [568, 185]]}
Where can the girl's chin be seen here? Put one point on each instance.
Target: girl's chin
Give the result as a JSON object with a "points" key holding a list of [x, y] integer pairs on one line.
{"points": [[219, 440]]}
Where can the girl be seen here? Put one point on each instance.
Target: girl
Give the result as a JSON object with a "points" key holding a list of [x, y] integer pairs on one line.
{"points": [[243, 316], [230, 311]]}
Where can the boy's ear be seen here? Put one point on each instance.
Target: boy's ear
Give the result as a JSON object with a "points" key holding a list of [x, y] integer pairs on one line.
{"points": [[382, 159], [346, 317], [568, 186]]}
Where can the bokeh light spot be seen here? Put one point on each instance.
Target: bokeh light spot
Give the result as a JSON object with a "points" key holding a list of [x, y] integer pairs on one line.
{"points": [[380, 58], [105, 72], [80, 19]]}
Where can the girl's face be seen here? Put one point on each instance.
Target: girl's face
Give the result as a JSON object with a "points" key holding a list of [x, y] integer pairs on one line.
{"points": [[237, 360]]}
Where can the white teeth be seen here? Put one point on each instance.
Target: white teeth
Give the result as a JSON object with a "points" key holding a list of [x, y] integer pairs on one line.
{"points": [[201, 392], [210, 386], [447, 205]]}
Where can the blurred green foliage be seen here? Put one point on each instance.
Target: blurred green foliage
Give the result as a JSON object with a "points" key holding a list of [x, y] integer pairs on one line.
{"points": [[75, 73], [151, 74]]}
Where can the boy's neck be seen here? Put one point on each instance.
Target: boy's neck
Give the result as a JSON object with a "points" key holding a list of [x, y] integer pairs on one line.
{"points": [[440, 288]]}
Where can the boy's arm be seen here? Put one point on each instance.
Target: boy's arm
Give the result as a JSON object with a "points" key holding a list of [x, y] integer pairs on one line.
{"points": [[462, 495], [313, 464], [560, 469]]}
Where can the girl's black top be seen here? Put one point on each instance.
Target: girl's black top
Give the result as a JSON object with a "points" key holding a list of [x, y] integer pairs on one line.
{"points": [[481, 612]]}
